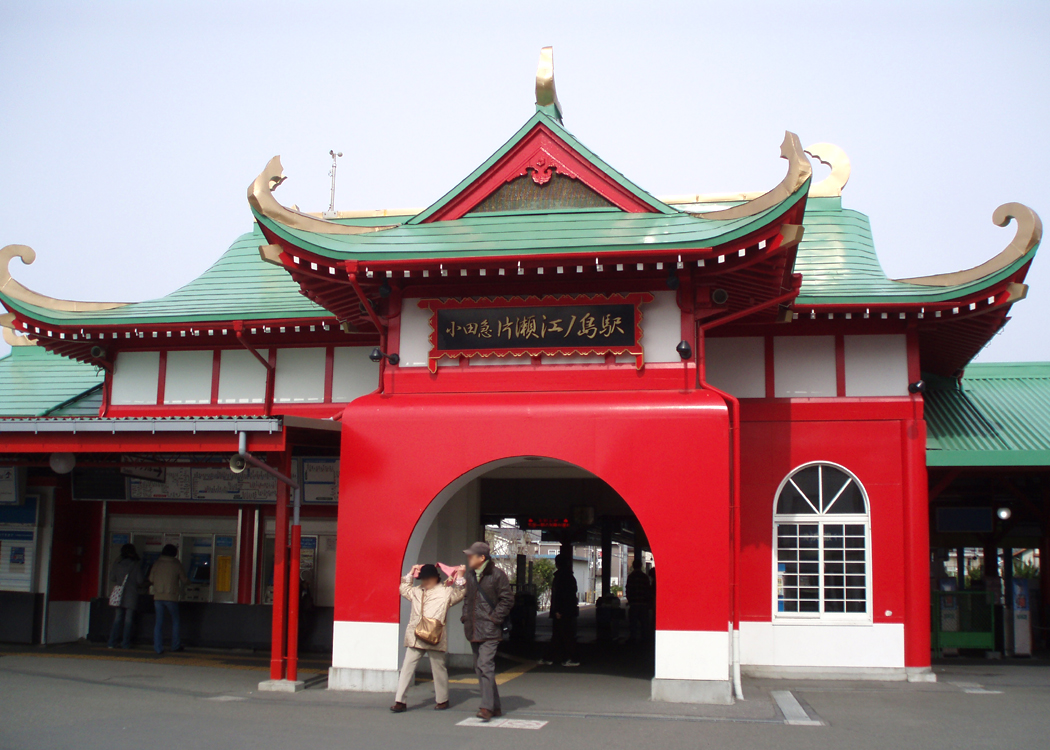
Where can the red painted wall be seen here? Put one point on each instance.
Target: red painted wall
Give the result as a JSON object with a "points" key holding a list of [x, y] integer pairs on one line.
{"points": [[871, 450], [665, 452]]}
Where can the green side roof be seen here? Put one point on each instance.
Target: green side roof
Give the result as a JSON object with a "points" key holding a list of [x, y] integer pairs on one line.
{"points": [[239, 286], [34, 383], [542, 117], [998, 415], [838, 263]]}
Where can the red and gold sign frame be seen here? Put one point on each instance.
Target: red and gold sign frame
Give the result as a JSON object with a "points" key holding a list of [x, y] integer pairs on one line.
{"points": [[542, 306]]}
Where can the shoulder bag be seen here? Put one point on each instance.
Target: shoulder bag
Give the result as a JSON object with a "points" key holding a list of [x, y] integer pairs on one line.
{"points": [[428, 629], [118, 592]]}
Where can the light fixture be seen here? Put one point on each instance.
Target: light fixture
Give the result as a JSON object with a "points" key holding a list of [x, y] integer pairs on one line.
{"points": [[1004, 513], [384, 289], [919, 386], [672, 279], [719, 296], [62, 463], [378, 354]]}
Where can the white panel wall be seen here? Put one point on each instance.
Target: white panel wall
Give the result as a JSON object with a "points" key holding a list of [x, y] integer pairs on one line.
{"points": [[135, 376], [661, 328], [876, 365], [187, 378], [242, 378], [804, 366], [299, 376], [822, 645], [353, 374], [737, 365], [415, 334], [692, 655]]}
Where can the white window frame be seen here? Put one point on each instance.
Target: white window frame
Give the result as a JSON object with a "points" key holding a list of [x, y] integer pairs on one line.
{"points": [[821, 520]]}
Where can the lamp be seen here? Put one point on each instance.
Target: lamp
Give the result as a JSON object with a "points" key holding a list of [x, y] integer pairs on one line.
{"points": [[378, 354], [62, 463], [1004, 513]]}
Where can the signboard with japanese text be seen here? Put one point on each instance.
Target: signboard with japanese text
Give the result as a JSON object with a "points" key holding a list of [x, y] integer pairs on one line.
{"points": [[534, 326]]}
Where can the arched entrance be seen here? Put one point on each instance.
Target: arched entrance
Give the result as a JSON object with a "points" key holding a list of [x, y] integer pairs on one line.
{"points": [[664, 453], [532, 509]]}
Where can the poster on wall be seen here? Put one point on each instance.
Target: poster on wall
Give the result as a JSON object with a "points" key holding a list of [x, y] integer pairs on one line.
{"points": [[320, 480], [17, 548], [11, 485]]}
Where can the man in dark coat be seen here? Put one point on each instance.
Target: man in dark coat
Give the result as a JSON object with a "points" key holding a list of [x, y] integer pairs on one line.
{"points": [[485, 607], [640, 598], [565, 608]]}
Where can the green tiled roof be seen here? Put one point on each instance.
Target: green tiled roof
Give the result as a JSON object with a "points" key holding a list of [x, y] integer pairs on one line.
{"points": [[532, 234], [34, 382], [838, 263], [998, 415], [239, 286]]}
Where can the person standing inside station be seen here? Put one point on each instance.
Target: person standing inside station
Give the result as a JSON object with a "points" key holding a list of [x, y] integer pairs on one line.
{"points": [[427, 632], [167, 577], [565, 609], [126, 573], [488, 602], [639, 593]]}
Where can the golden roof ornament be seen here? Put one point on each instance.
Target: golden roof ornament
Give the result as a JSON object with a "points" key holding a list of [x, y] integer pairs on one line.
{"points": [[546, 95]]}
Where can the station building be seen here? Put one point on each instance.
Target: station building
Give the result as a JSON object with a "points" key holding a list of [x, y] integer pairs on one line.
{"points": [[729, 381]]}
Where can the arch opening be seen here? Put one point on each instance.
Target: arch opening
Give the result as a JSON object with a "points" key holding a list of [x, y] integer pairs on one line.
{"points": [[531, 509]]}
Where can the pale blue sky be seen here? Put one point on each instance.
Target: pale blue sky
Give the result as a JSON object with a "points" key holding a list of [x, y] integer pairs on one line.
{"points": [[129, 132]]}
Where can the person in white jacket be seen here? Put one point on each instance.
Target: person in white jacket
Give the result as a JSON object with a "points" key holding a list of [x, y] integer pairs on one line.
{"points": [[432, 600]]}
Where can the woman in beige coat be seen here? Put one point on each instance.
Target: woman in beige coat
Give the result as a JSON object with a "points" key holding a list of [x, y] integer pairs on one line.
{"points": [[429, 599]]}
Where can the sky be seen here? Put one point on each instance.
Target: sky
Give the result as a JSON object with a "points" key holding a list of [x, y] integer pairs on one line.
{"points": [[130, 131]]}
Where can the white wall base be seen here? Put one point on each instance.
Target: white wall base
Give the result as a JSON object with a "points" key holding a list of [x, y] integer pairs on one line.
{"points": [[878, 674], [362, 680], [365, 645], [692, 655], [822, 646], [920, 674], [67, 622], [719, 692]]}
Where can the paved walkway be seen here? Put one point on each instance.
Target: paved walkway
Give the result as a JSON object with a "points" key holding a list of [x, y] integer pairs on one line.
{"points": [[88, 696]]}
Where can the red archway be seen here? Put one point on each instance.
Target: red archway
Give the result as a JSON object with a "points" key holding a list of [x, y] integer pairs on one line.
{"points": [[665, 453]]}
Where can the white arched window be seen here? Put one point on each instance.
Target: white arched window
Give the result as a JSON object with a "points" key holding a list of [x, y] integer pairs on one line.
{"points": [[821, 545]]}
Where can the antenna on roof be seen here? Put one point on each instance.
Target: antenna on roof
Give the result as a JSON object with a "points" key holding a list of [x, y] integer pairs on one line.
{"points": [[330, 213]]}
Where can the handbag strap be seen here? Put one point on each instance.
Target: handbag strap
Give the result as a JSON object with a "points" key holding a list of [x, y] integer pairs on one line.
{"points": [[124, 582]]}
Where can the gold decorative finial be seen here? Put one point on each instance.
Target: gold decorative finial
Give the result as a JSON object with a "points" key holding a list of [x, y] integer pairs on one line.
{"points": [[546, 94], [1029, 233], [7, 326], [832, 156], [13, 289]]}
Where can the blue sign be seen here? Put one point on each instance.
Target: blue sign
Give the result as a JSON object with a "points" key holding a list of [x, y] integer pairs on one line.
{"points": [[308, 542], [18, 555], [224, 541], [16, 536], [121, 539]]}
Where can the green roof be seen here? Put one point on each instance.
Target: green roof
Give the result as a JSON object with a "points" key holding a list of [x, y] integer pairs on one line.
{"points": [[839, 266], [239, 286], [34, 383], [532, 234], [997, 415]]}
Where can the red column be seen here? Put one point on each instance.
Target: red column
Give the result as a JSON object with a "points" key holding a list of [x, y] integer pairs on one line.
{"points": [[279, 630], [247, 533], [293, 606], [916, 545]]}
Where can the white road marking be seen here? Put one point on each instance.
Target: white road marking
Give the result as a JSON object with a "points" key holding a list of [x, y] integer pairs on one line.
{"points": [[224, 698], [793, 712], [974, 688], [473, 721]]}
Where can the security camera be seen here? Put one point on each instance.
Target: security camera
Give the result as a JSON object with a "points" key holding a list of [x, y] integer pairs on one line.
{"points": [[97, 352], [719, 296], [377, 355], [919, 386], [684, 350], [237, 463]]}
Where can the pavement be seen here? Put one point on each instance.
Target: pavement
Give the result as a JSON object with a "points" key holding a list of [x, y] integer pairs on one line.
{"points": [[86, 696]]}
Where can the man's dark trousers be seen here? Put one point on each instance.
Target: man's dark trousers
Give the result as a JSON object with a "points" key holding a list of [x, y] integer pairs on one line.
{"points": [[485, 669]]}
